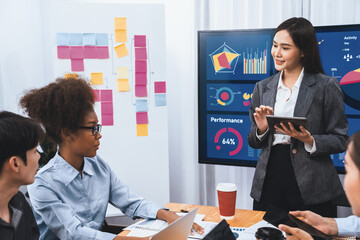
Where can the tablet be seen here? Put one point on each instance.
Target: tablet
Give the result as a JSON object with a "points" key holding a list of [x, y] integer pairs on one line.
{"points": [[296, 121]]}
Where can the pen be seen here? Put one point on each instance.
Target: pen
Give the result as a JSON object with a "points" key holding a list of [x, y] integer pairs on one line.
{"points": [[184, 211]]}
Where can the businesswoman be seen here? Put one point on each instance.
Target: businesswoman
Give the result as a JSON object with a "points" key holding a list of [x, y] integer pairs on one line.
{"points": [[71, 193], [349, 226], [294, 169]]}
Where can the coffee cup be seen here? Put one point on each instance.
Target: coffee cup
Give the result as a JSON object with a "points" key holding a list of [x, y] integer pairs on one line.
{"points": [[227, 200]]}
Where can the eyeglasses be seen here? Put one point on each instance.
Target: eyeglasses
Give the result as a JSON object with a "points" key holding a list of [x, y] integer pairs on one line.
{"points": [[95, 130]]}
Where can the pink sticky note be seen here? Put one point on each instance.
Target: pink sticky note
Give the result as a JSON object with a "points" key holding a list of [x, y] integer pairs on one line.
{"points": [[90, 52], [107, 120], [106, 95], [142, 118], [63, 52], [77, 65], [223, 61], [140, 78], [140, 53], [107, 108], [97, 95], [102, 52], [160, 87], [76, 52], [140, 66], [140, 91], [140, 40]]}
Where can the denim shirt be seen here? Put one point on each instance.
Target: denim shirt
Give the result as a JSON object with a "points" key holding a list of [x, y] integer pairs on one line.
{"points": [[67, 205]]}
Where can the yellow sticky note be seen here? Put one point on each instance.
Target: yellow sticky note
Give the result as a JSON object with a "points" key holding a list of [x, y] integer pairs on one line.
{"points": [[122, 73], [120, 23], [120, 35], [142, 130], [123, 85], [121, 50], [97, 79], [71, 75]]}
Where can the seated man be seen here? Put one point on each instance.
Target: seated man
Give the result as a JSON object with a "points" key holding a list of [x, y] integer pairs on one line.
{"points": [[19, 161]]}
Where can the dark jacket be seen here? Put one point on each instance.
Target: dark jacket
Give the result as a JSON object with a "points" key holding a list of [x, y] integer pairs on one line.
{"points": [[320, 99]]}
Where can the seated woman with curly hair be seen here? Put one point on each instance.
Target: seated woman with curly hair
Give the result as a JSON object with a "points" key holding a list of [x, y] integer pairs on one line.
{"points": [[71, 192]]}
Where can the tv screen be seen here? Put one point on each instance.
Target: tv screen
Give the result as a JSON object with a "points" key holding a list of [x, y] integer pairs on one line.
{"points": [[229, 65]]}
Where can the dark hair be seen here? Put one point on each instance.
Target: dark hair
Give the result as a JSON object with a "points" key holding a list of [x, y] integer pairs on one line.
{"points": [[303, 35], [60, 105], [18, 134], [355, 152]]}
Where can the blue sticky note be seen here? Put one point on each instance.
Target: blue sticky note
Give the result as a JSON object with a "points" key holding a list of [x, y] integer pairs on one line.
{"points": [[76, 39], [62, 39], [89, 39], [160, 99], [141, 106], [102, 39]]}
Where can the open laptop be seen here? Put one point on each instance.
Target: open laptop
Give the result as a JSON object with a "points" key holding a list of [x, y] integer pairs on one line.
{"points": [[178, 230]]}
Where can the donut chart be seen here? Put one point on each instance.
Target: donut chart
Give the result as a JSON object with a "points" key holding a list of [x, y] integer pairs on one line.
{"points": [[350, 85], [231, 141], [225, 96]]}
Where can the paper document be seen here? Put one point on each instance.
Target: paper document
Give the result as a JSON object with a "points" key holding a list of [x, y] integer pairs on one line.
{"points": [[249, 233]]}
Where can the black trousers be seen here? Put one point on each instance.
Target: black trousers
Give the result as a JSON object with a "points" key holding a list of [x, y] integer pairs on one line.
{"points": [[281, 189]]}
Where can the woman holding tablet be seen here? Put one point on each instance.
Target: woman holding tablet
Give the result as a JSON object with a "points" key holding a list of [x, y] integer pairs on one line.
{"points": [[294, 170]]}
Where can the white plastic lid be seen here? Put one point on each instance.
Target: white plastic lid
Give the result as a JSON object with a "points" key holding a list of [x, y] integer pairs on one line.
{"points": [[226, 187]]}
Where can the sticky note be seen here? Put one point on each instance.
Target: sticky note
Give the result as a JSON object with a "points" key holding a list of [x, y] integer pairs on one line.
{"points": [[160, 99], [76, 39], [102, 52], [140, 41], [142, 118], [123, 85], [62, 39], [140, 53], [89, 39], [107, 120], [102, 39], [89, 52], [121, 35], [107, 108], [97, 78], [63, 52], [121, 50], [140, 66], [140, 78], [77, 65], [106, 95], [71, 75], [76, 52], [140, 91], [97, 95], [160, 87], [141, 105], [120, 23], [142, 130], [122, 72]]}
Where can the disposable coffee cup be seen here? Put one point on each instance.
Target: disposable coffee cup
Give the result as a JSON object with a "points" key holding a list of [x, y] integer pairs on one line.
{"points": [[269, 233], [227, 199]]}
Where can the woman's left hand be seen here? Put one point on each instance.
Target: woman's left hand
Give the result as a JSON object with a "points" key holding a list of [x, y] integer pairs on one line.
{"points": [[304, 135], [170, 217]]}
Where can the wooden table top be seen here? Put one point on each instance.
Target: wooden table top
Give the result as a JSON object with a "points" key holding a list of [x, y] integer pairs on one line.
{"points": [[243, 218]]}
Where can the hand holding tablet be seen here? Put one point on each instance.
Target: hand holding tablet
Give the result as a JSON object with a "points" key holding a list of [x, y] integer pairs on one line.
{"points": [[295, 121]]}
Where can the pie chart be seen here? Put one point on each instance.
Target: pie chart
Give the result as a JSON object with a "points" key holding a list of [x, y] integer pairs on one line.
{"points": [[350, 85]]}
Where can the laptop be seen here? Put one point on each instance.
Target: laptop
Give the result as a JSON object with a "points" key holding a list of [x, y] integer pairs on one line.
{"points": [[178, 230]]}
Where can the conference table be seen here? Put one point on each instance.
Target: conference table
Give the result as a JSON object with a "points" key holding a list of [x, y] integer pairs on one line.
{"points": [[243, 218]]}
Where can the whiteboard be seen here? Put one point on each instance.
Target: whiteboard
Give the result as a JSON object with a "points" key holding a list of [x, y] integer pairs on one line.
{"points": [[140, 162]]}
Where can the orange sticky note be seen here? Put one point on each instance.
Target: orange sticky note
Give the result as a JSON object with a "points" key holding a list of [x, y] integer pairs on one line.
{"points": [[97, 78], [71, 75], [120, 35], [120, 23], [122, 73], [121, 50], [123, 85], [142, 130]]}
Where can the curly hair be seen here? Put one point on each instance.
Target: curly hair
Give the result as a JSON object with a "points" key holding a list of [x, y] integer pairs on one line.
{"points": [[62, 104]]}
